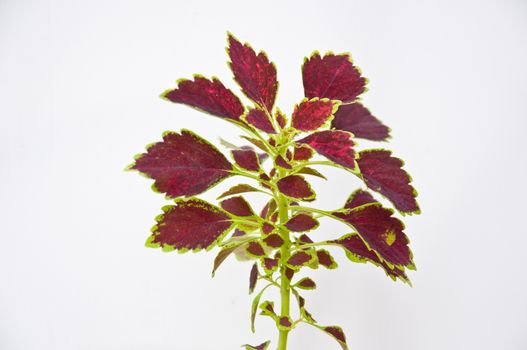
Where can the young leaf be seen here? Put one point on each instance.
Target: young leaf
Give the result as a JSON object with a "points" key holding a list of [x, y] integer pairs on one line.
{"points": [[299, 259], [191, 224], [378, 228], [183, 164], [280, 118], [274, 240], [237, 206], [332, 76], [358, 120], [256, 142], [268, 309], [310, 171], [224, 254], [326, 259], [237, 189], [302, 152], [295, 186], [306, 283], [262, 346], [310, 115], [337, 333], [255, 250], [335, 145], [284, 323], [255, 74], [247, 159], [383, 173], [282, 163], [268, 209], [254, 306], [253, 278], [269, 265], [207, 95], [301, 223], [260, 120]]}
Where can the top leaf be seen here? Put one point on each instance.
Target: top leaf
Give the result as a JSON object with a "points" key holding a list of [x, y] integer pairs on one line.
{"points": [[210, 96], [358, 120], [332, 76], [183, 164], [255, 74]]}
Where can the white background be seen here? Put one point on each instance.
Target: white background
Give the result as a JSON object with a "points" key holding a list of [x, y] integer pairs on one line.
{"points": [[79, 86]]}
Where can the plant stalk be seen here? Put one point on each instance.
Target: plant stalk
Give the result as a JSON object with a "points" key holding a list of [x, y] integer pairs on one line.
{"points": [[285, 284]]}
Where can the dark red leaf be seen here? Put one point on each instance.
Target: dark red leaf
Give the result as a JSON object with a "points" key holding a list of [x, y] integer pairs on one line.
{"points": [[255, 74], [246, 159], [274, 240], [285, 323], [260, 120], [237, 206], [337, 333], [274, 217], [269, 264], [242, 188], [358, 198], [332, 76], [306, 283], [384, 174], [301, 222], [207, 95], [191, 224], [335, 145], [255, 249], [289, 273], [299, 259], [256, 142], [296, 186], [183, 164], [253, 278], [268, 209], [358, 120], [310, 115], [302, 152], [305, 239], [326, 259], [280, 118], [381, 231], [267, 228], [266, 178], [310, 171], [282, 163], [222, 255], [262, 346]]}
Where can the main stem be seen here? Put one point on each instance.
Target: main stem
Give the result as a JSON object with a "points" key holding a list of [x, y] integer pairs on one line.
{"points": [[285, 284]]}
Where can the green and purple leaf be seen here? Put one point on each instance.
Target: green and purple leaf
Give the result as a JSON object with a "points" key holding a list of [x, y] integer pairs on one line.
{"points": [[255, 250], [301, 223], [284, 323], [337, 333], [237, 206], [295, 186], [183, 164], [210, 96], [302, 152], [262, 346], [326, 259], [255, 74], [274, 240], [270, 265], [312, 114], [299, 259], [259, 119], [358, 120], [253, 278], [310, 171], [306, 283], [247, 159], [237, 189], [191, 224], [383, 173], [335, 145], [332, 76]]}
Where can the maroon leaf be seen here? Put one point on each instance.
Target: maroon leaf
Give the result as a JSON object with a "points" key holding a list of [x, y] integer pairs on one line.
{"points": [[306, 283], [262, 346], [382, 232], [191, 224], [301, 222], [268, 209], [255, 249], [310, 171], [326, 259], [280, 118], [267, 228], [282, 163], [299, 259], [255, 74], [237, 206], [358, 120], [270, 265], [274, 240], [335, 145], [207, 95], [268, 309], [285, 323], [311, 114], [241, 188], [253, 278], [183, 164], [222, 255], [305, 239], [256, 142], [302, 152], [383, 173], [332, 76], [289, 273], [295, 186], [246, 159], [260, 120], [337, 333]]}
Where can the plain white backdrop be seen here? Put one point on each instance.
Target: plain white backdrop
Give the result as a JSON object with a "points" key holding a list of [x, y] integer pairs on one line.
{"points": [[79, 86]]}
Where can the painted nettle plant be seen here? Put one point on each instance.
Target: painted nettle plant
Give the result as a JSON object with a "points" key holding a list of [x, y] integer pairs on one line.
{"points": [[321, 131]]}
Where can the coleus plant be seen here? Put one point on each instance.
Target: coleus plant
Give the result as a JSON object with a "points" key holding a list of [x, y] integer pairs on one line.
{"points": [[325, 123]]}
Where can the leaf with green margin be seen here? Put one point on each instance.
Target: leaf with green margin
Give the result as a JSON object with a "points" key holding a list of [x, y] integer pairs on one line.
{"points": [[262, 346], [254, 306], [295, 186], [312, 114], [326, 259], [237, 189], [310, 171], [306, 283]]}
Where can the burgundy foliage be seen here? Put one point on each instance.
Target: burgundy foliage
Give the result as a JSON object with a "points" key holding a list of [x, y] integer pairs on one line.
{"points": [[255, 249], [335, 145], [301, 223], [241, 188], [209, 96], [358, 120], [237, 206], [246, 159], [299, 258], [332, 76], [253, 278], [183, 164], [310, 115], [296, 186], [302, 152], [274, 240], [260, 120]]}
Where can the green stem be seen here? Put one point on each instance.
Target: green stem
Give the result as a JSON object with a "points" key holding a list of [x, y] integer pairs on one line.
{"points": [[285, 284]]}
